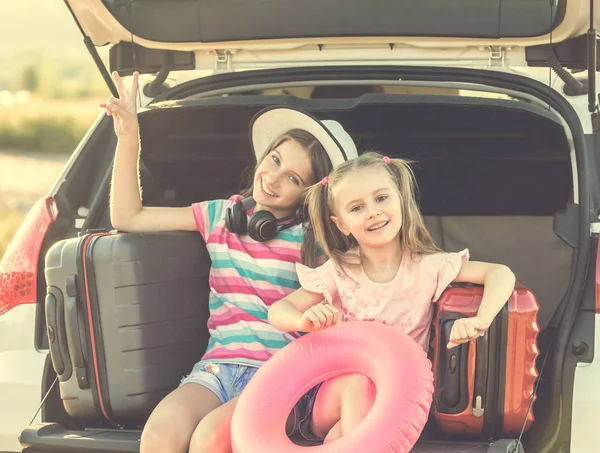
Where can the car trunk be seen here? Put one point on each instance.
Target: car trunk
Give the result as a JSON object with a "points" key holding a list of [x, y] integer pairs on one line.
{"points": [[495, 176], [492, 173]]}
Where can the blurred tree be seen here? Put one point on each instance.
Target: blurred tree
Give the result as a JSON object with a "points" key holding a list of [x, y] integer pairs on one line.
{"points": [[30, 79]]}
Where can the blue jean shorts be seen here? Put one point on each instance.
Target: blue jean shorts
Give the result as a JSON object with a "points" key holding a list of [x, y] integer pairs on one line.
{"points": [[302, 414], [227, 380]]}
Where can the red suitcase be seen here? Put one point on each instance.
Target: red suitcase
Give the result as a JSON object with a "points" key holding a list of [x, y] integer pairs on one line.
{"points": [[484, 388]]}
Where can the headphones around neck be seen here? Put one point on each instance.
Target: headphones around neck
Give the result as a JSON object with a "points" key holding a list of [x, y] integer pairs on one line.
{"points": [[262, 227]]}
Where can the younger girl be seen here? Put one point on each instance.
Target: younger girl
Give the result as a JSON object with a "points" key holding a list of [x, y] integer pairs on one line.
{"points": [[254, 241], [383, 267]]}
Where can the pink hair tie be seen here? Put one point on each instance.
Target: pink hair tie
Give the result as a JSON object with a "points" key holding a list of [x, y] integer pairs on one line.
{"points": [[386, 160], [325, 181]]}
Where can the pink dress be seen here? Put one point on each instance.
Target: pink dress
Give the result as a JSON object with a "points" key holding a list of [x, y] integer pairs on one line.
{"points": [[405, 302]]}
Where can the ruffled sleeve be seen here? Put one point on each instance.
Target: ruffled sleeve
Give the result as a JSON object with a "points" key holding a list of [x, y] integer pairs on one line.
{"points": [[320, 280], [449, 267]]}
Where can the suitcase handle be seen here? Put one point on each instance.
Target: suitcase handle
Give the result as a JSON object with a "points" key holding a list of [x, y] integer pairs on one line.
{"points": [[75, 338], [57, 337], [481, 372], [451, 385]]}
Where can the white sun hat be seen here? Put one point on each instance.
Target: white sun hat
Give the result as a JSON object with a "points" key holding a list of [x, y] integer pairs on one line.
{"points": [[270, 123]]}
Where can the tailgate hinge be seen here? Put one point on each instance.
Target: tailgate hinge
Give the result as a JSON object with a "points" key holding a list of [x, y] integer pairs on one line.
{"points": [[222, 61], [496, 56]]}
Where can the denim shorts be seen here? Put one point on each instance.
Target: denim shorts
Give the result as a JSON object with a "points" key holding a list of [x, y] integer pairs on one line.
{"points": [[303, 415], [227, 380]]}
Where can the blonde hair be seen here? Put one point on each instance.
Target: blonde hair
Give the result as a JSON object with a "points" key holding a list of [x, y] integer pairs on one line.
{"points": [[414, 237]]}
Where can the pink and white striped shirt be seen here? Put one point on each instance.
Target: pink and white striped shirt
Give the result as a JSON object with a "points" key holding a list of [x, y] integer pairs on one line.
{"points": [[246, 278]]}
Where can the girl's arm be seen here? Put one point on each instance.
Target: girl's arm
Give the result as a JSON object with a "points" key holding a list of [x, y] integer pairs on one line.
{"points": [[303, 311], [126, 210], [498, 283]]}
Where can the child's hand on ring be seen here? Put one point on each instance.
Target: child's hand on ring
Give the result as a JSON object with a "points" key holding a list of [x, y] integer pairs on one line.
{"points": [[319, 317]]}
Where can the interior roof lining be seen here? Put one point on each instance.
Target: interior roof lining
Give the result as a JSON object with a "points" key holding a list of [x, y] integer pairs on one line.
{"points": [[364, 100], [376, 99]]}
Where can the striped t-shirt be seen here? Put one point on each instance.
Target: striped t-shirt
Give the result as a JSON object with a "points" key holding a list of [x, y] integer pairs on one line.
{"points": [[246, 277]]}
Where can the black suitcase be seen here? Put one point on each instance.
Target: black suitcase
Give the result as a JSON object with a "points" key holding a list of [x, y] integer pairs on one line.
{"points": [[126, 318]]}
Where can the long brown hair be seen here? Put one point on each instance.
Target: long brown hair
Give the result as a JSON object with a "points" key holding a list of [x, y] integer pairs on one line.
{"points": [[414, 237], [320, 166]]}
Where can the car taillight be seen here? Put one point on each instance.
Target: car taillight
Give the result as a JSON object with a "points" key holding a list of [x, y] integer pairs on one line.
{"points": [[19, 266]]}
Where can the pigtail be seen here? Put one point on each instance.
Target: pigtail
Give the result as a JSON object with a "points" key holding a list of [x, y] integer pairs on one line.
{"points": [[333, 242], [318, 212], [310, 249], [414, 236]]}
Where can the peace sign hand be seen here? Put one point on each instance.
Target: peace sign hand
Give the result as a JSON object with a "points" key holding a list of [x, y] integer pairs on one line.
{"points": [[124, 109]]}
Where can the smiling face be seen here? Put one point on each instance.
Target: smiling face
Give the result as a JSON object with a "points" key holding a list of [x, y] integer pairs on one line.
{"points": [[367, 206], [281, 178]]}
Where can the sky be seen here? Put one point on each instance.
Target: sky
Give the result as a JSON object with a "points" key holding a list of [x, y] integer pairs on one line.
{"points": [[37, 24]]}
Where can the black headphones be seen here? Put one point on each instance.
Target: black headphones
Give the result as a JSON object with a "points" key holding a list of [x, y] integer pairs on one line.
{"points": [[262, 227]]}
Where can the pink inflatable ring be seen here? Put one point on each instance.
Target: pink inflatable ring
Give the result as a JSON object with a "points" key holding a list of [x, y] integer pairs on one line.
{"points": [[395, 363]]}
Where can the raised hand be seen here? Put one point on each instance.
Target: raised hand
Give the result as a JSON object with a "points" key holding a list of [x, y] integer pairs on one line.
{"points": [[124, 108]]}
